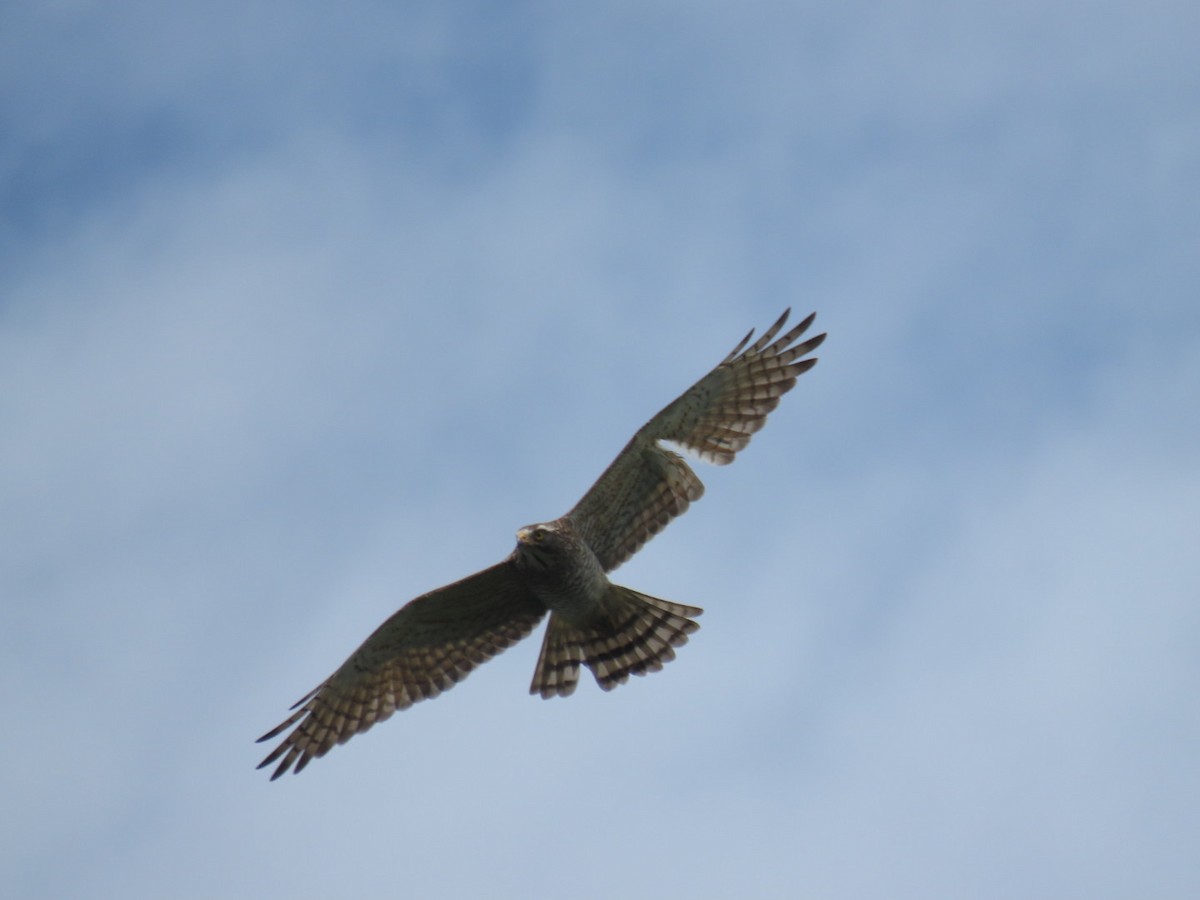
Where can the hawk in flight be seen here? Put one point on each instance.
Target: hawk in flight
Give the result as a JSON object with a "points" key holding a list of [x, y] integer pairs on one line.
{"points": [[561, 567]]}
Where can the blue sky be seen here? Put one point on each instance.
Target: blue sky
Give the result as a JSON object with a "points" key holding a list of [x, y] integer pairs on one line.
{"points": [[304, 311]]}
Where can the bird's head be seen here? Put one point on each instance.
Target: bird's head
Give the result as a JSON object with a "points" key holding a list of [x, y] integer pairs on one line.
{"points": [[541, 543], [543, 535]]}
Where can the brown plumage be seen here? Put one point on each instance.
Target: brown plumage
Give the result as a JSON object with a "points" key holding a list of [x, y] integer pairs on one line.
{"points": [[561, 567]]}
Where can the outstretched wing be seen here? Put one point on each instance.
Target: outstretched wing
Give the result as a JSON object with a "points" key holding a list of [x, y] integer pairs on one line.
{"points": [[647, 485], [425, 648]]}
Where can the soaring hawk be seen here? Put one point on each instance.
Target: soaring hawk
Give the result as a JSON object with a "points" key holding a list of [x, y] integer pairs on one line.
{"points": [[561, 567]]}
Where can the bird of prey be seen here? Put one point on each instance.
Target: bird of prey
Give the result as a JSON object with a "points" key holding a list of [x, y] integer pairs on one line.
{"points": [[561, 567]]}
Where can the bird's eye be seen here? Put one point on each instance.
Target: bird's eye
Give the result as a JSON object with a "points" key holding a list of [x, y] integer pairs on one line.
{"points": [[539, 534]]}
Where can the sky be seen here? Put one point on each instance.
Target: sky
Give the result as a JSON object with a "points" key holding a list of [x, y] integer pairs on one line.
{"points": [[305, 309]]}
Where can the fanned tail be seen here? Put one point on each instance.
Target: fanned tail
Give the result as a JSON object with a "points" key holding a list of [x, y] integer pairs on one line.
{"points": [[638, 634]]}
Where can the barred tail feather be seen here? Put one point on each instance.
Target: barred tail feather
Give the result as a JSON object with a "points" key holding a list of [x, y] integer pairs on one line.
{"points": [[638, 635], [643, 634], [557, 671]]}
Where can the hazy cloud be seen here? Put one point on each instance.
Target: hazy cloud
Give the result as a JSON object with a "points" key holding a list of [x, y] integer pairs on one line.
{"points": [[304, 314]]}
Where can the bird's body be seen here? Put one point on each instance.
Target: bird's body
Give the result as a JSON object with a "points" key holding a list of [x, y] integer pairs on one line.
{"points": [[613, 630], [561, 568]]}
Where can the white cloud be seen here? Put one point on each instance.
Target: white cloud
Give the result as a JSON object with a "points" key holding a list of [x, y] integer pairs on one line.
{"points": [[272, 295]]}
